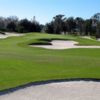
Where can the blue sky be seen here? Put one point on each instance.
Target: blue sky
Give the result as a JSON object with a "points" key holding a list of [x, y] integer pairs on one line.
{"points": [[44, 10]]}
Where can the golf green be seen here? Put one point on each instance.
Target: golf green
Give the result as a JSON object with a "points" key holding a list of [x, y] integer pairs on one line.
{"points": [[21, 64]]}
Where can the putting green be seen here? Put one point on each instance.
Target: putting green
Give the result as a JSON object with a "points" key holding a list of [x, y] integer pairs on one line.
{"points": [[21, 64]]}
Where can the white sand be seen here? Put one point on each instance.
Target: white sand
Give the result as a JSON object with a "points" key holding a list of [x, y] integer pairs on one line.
{"points": [[77, 90], [87, 37], [9, 35], [62, 44]]}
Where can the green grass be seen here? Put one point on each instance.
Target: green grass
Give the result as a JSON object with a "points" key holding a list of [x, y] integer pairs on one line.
{"points": [[21, 64]]}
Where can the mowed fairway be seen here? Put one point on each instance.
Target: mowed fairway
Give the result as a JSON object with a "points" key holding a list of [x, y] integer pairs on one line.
{"points": [[21, 64]]}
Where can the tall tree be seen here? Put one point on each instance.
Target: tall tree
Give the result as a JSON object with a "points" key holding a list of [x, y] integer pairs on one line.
{"points": [[24, 26], [79, 25], [58, 23], [2, 24], [88, 27], [11, 23], [98, 30], [11, 26], [49, 27], [71, 25], [95, 24]]}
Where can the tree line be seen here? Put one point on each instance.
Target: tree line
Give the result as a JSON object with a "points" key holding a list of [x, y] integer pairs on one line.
{"points": [[60, 24], [13, 24], [77, 26]]}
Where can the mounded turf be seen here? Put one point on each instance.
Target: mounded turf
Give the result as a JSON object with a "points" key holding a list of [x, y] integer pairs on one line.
{"points": [[21, 64]]}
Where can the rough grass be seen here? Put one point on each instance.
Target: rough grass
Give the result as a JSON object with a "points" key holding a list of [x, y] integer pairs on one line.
{"points": [[21, 64]]}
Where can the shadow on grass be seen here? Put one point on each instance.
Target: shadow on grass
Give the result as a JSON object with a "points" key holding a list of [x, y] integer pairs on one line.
{"points": [[11, 90]]}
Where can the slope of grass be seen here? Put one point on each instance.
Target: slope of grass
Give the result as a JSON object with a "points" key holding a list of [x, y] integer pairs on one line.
{"points": [[21, 64]]}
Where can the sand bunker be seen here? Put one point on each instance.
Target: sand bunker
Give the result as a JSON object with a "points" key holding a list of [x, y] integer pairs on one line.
{"points": [[9, 35], [62, 44], [77, 90], [87, 37]]}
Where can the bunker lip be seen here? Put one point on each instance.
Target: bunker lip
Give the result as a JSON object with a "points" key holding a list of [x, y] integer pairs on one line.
{"points": [[72, 88], [60, 45], [37, 83]]}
